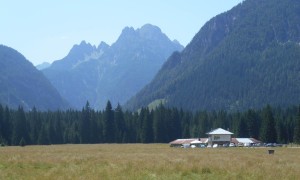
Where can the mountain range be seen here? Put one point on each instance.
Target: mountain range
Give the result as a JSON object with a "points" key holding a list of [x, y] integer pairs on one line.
{"points": [[116, 72], [244, 58], [21, 84]]}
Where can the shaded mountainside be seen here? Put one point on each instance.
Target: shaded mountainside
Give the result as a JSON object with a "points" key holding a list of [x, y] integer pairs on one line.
{"points": [[43, 65], [244, 58], [22, 84], [116, 72]]}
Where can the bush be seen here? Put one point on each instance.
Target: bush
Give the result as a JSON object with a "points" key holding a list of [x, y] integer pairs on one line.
{"points": [[22, 142], [2, 142]]}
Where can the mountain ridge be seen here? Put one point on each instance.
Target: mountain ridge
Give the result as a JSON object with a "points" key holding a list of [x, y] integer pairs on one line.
{"points": [[227, 63], [98, 75], [23, 85]]}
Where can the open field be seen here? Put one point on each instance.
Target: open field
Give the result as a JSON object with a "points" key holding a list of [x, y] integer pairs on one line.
{"points": [[146, 161]]}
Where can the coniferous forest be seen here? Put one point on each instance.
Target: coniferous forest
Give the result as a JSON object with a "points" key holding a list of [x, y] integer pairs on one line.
{"points": [[161, 125]]}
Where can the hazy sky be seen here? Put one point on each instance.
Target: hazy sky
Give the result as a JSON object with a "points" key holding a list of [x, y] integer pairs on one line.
{"points": [[45, 30]]}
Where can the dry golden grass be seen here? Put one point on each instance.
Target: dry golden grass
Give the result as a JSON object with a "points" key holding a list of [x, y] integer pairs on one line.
{"points": [[151, 161]]}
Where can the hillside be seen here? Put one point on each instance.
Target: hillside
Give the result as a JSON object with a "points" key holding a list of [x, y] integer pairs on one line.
{"points": [[43, 65], [244, 58], [116, 72], [22, 84]]}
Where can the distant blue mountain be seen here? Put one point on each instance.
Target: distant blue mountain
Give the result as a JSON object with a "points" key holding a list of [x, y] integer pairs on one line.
{"points": [[42, 66], [21, 84], [116, 72]]}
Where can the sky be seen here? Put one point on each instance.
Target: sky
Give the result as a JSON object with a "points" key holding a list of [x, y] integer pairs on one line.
{"points": [[46, 30]]}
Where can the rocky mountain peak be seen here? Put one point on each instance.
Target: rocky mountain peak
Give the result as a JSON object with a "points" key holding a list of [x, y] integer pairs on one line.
{"points": [[149, 31], [83, 47], [102, 46]]}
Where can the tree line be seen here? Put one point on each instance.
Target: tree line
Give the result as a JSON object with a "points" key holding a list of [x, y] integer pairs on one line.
{"points": [[160, 125]]}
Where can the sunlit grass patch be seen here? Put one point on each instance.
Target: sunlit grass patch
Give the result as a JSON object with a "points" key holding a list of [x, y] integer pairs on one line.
{"points": [[146, 161]]}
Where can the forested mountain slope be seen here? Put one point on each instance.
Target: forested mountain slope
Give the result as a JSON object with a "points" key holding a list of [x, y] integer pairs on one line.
{"points": [[244, 58], [21, 84]]}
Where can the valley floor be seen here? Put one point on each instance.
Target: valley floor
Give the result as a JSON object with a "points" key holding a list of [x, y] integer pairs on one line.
{"points": [[146, 161]]}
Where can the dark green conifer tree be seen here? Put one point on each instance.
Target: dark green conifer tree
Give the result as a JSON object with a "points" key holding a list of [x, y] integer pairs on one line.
{"points": [[268, 131], [185, 124], [146, 126], [297, 128], [7, 126], [175, 124], [1, 123], [34, 125], [20, 128], [51, 132], [85, 121], [120, 124], [203, 123], [108, 124], [159, 125], [43, 138], [242, 131], [252, 121], [58, 130]]}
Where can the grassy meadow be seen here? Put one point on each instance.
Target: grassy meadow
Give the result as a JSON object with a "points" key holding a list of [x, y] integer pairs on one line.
{"points": [[146, 161]]}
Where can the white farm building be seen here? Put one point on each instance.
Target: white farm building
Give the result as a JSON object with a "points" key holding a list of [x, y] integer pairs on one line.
{"points": [[218, 136]]}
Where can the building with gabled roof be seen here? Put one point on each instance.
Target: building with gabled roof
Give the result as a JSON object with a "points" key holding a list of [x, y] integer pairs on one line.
{"points": [[219, 136], [219, 131]]}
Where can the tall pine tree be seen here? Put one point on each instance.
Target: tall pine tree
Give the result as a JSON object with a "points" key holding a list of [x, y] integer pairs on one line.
{"points": [[85, 128], [242, 130], [120, 124], [297, 128], [252, 120], [34, 125], [268, 131], [20, 130], [159, 125], [146, 126], [1, 122], [7, 126], [108, 124]]}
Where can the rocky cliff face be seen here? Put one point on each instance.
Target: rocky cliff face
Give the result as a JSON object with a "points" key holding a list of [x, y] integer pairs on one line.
{"points": [[113, 72]]}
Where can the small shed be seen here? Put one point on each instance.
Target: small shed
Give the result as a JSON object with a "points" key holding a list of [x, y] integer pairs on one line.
{"points": [[219, 136]]}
